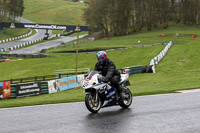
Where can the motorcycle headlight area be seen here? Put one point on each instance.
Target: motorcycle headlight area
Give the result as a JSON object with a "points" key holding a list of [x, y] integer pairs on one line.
{"points": [[85, 83], [89, 82]]}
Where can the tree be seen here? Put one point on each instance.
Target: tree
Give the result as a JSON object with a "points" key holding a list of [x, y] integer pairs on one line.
{"points": [[13, 7], [110, 16], [120, 16], [117, 17], [96, 15]]}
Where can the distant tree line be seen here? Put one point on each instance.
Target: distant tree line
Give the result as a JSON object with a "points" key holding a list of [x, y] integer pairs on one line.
{"points": [[119, 17], [13, 7]]}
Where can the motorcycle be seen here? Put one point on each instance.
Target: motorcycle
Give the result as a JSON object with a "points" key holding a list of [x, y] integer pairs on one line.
{"points": [[100, 94]]}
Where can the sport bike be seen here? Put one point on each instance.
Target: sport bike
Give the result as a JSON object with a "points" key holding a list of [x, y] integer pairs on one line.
{"points": [[100, 94]]}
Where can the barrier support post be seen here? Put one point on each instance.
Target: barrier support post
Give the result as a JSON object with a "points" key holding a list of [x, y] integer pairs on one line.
{"points": [[77, 46]]}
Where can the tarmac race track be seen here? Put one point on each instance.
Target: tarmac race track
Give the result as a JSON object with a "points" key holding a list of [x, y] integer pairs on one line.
{"points": [[46, 45], [37, 48], [168, 113]]}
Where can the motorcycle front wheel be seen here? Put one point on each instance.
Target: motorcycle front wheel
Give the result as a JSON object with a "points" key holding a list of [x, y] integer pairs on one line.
{"points": [[126, 101], [93, 104]]}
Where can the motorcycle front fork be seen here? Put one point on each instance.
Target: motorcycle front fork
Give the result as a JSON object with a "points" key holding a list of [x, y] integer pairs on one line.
{"points": [[96, 95], [95, 99]]}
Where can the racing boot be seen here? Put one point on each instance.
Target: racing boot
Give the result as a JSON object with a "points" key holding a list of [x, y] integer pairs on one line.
{"points": [[120, 93]]}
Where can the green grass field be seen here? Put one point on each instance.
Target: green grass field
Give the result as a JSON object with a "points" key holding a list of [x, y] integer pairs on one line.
{"points": [[51, 12], [179, 70], [145, 38]]}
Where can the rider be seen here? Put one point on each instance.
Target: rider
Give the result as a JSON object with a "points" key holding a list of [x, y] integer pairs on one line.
{"points": [[108, 69]]}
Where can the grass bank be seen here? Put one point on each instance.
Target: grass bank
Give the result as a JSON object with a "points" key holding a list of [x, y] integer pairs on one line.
{"points": [[51, 12], [9, 33], [178, 70], [178, 35]]}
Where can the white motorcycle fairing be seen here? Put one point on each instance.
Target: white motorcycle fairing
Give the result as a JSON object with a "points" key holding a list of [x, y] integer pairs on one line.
{"points": [[98, 92]]}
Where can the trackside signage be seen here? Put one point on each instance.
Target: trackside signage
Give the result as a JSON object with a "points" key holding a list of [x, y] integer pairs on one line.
{"points": [[66, 83], [28, 89], [53, 88], [43, 26], [52, 27], [5, 89]]}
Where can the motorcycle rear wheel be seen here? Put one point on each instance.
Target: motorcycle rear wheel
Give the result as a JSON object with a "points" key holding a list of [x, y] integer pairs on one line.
{"points": [[127, 98], [92, 104]]}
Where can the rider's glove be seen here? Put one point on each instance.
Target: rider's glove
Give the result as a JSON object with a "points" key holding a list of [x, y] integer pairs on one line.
{"points": [[106, 80]]}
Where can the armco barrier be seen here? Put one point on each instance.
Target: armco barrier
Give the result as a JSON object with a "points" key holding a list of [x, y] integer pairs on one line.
{"points": [[20, 45], [162, 54], [24, 55], [14, 38], [137, 69], [134, 70]]}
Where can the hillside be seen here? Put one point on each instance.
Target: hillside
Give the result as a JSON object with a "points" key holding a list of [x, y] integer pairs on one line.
{"points": [[180, 63], [51, 12]]}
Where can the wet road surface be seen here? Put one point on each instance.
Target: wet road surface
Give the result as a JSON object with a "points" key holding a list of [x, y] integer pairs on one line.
{"points": [[46, 45], [169, 113]]}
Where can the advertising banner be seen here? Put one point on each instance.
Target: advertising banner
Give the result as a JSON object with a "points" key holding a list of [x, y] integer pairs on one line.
{"points": [[66, 83], [53, 88], [80, 79], [6, 89], [28, 89], [1, 90], [43, 26]]}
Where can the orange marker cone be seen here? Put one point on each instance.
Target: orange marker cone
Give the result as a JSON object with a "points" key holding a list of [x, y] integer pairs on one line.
{"points": [[193, 36]]}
